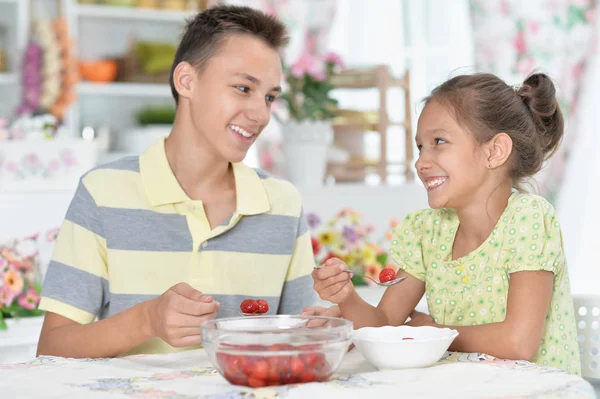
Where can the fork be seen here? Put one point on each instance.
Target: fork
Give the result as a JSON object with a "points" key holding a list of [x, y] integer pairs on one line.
{"points": [[238, 311], [386, 284]]}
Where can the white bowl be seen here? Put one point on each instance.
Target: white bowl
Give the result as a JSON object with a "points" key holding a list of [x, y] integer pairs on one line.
{"points": [[388, 349]]}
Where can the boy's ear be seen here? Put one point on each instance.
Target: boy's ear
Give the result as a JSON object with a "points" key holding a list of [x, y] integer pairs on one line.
{"points": [[499, 150], [183, 78]]}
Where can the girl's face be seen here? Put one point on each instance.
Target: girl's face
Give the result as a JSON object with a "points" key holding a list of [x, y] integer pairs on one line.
{"points": [[452, 164]]}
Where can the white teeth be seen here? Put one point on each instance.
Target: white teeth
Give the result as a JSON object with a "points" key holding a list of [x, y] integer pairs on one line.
{"points": [[241, 131], [435, 182]]}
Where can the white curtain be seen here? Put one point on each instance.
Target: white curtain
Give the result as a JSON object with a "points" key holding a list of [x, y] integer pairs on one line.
{"points": [[577, 201]]}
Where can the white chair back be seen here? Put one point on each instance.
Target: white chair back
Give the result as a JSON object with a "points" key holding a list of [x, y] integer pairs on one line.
{"points": [[587, 314]]}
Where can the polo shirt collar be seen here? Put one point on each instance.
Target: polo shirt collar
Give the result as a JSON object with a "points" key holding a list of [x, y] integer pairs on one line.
{"points": [[162, 187]]}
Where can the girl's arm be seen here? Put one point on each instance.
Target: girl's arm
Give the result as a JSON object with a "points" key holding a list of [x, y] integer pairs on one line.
{"points": [[518, 336], [394, 308]]}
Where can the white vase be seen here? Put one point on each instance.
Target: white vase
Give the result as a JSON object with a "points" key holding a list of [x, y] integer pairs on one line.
{"points": [[19, 343], [305, 146], [137, 140]]}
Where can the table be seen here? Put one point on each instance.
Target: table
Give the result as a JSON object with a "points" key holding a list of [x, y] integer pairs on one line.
{"points": [[187, 375]]}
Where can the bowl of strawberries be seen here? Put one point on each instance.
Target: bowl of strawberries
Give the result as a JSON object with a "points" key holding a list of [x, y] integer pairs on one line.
{"points": [[259, 351]]}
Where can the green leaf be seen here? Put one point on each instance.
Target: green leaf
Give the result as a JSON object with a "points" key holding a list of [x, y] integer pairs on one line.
{"points": [[357, 280], [382, 259], [576, 15]]}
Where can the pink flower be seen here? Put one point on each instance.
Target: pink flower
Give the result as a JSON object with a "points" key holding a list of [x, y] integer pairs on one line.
{"points": [[32, 160], [301, 67], [11, 166], [533, 27], [29, 300], [578, 70], [334, 58], [13, 282], [52, 234], [525, 66], [54, 165], [504, 7], [519, 43], [311, 65], [6, 296], [68, 159], [590, 16]]}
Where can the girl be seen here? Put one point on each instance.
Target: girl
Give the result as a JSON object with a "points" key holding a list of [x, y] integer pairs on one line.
{"points": [[489, 259]]}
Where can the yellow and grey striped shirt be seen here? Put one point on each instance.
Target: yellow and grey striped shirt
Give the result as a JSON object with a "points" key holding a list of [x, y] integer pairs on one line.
{"points": [[131, 232]]}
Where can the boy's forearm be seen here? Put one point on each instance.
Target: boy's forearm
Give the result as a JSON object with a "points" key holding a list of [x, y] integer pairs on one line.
{"points": [[361, 313], [110, 337]]}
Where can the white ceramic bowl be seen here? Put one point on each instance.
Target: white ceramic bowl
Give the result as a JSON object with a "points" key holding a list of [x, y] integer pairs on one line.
{"points": [[388, 348]]}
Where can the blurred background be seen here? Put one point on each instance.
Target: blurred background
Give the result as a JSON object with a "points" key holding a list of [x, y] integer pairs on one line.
{"points": [[85, 82]]}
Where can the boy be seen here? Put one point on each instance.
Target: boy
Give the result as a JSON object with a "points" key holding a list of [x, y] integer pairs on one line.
{"points": [[152, 245]]}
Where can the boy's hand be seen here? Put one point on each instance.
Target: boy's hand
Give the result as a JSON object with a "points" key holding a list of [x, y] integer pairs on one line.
{"points": [[331, 283], [333, 311], [176, 315]]}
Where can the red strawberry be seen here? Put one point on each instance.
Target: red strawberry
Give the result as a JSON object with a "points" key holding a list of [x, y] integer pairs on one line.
{"points": [[249, 306], [263, 306], [387, 274]]}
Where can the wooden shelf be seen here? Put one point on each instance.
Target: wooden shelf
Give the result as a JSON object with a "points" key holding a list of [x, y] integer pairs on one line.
{"points": [[133, 13], [364, 78], [350, 123], [124, 89]]}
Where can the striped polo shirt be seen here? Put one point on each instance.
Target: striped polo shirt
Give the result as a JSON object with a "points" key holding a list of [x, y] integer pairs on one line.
{"points": [[131, 233]]}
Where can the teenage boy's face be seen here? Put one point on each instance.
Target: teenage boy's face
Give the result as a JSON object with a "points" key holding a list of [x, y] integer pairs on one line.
{"points": [[231, 100]]}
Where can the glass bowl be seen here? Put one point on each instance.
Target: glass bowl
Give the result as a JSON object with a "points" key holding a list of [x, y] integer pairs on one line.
{"points": [[258, 351]]}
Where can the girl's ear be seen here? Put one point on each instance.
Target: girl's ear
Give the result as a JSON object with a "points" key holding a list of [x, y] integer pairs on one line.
{"points": [[499, 149]]}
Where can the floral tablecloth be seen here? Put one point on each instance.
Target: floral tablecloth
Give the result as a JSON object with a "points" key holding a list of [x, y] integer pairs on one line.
{"points": [[190, 375]]}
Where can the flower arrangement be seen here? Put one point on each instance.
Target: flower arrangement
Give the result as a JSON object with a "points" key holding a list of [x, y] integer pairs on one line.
{"points": [[19, 278], [307, 92], [347, 238]]}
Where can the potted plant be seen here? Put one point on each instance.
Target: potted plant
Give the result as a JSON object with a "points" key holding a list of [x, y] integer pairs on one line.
{"points": [[307, 131], [19, 280]]}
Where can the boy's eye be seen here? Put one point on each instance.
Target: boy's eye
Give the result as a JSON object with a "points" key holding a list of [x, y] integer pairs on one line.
{"points": [[270, 98], [439, 141], [244, 89], [419, 147]]}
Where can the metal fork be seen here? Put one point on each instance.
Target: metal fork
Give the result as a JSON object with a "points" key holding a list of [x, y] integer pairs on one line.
{"points": [[239, 311], [386, 284]]}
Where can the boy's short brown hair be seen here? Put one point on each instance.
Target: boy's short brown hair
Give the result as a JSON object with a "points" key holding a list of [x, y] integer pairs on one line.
{"points": [[205, 33]]}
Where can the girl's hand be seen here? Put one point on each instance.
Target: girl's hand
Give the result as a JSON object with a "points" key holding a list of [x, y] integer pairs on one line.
{"points": [[331, 282], [418, 319]]}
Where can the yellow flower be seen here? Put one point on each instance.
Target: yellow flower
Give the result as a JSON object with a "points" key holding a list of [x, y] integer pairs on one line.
{"points": [[369, 255], [329, 238]]}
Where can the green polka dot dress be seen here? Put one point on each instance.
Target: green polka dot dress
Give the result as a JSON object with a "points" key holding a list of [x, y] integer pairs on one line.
{"points": [[474, 288]]}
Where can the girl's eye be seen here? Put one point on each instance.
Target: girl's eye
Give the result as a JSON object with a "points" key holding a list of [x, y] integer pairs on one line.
{"points": [[270, 98], [244, 89], [419, 147], [439, 141]]}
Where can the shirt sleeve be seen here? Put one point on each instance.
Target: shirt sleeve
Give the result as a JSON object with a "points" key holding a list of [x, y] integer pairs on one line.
{"points": [[406, 247], [298, 290], [533, 238], [76, 282]]}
